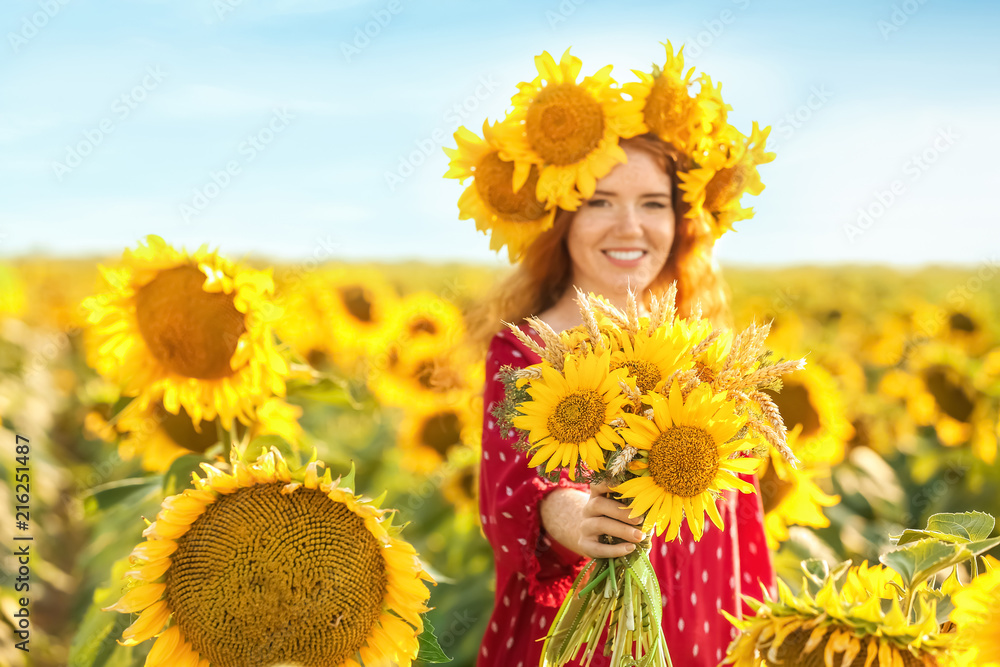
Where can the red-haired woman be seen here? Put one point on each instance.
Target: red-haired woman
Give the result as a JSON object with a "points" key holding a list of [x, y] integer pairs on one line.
{"points": [[632, 232]]}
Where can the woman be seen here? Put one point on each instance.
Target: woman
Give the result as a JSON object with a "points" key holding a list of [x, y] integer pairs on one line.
{"points": [[604, 187], [631, 232]]}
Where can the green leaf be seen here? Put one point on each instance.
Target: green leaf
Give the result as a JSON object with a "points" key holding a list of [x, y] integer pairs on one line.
{"points": [[325, 390], [952, 527], [920, 560], [178, 477], [910, 535], [973, 526], [112, 493], [430, 649], [982, 546]]}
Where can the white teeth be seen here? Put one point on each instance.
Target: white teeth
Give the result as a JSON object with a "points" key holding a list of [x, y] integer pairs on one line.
{"points": [[625, 255]]}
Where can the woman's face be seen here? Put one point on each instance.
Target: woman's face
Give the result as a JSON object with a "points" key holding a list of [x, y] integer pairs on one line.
{"points": [[622, 235]]}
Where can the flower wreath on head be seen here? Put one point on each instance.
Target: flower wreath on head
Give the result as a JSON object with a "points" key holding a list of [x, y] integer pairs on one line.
{"points": [[562, 136]]}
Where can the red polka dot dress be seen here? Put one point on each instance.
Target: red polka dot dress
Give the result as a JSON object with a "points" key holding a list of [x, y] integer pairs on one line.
{"points": [[534, 572]]}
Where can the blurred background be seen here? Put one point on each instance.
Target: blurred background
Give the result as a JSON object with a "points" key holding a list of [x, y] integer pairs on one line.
{"points": [[304, 137]]}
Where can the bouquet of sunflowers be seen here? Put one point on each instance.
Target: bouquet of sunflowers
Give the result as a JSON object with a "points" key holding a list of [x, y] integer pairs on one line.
{"points": [[667, 411]]}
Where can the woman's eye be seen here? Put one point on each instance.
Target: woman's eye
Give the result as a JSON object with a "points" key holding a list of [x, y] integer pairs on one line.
{"points": [[598, 202], [655, 204]]}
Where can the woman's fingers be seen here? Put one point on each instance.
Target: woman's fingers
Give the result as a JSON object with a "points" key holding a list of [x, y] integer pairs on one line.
{"points": [[594, 549], [594, 527], [600, 506], [599, 489]]}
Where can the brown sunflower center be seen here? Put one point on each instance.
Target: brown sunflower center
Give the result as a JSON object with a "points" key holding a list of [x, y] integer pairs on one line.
{"points": [[773, 489], [423, 325], [684, 460], [792, 652], [726, 185], [564, 123], [358, 302], [646, 373], [950, 396], [705, 372], [441, 432], [467, 482], [962, 322], [190, 331], [181, 430], [264, 577], [796, 407], [577, 417], [495, 185]]}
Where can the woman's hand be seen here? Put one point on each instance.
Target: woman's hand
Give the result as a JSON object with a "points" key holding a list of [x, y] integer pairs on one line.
{"points": [[604, 516]]}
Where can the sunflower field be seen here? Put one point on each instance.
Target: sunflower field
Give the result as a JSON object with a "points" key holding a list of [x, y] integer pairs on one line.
{"points": [[171, 416]]}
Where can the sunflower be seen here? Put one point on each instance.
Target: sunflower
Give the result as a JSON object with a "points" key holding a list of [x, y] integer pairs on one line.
{"points": [[669, 109], [684, 459], [362, 308], [569, 130], [428, 435], [651, 358], [423, 323], [569, 416], [416, 377], [977, 607], [260, 566], [501, 198], [941, 392], [189, 330], [811, 398], [791, 496], [859, 623], [729, 170], [461, 489], [160, 437]]}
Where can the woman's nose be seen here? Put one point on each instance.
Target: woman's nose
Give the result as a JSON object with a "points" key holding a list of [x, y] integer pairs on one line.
{"points": [[628, 222]]}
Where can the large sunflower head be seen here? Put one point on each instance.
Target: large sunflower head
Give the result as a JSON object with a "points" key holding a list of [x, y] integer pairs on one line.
{"points": [[687, 454], [502, 196], [190, 330], [848, 617], [260, 566], [569, 129], [568, 419]]}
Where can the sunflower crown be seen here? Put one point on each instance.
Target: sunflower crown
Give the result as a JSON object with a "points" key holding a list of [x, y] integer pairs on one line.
{"points": [[562, 134]]}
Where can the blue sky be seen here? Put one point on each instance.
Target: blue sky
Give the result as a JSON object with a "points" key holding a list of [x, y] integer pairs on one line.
{"points": [[114, 115]]}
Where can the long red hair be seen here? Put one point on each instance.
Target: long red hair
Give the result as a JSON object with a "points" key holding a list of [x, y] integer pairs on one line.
{"points": [[544, 272]]}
